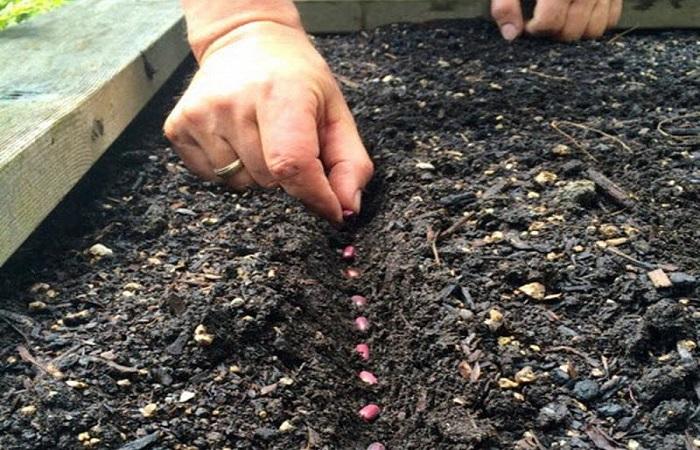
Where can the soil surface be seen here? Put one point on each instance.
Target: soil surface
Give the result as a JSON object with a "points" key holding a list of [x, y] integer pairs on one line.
{"points": [[524, 193]]}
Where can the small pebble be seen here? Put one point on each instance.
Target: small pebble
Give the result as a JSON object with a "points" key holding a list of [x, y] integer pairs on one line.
{"points": [[100, 251], [611, 410], [287, 426], [683, 280], [202, 336], [552, 414], [28, 410], [186, 396], [149, 410], [37, 306], [586, 390], [533, 290], [376, 446], [75, 384]]}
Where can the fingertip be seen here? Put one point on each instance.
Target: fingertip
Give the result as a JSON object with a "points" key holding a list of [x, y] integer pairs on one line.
{"points": [[509, 32], [508, 15]]}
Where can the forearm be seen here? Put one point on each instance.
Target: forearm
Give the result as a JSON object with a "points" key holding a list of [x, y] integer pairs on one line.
{"points": [[210, 20]]}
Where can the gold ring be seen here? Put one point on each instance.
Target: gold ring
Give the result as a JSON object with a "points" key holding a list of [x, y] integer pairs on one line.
{"points": [[229, 170]]}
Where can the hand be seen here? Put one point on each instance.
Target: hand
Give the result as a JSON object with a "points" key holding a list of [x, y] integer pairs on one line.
{"points": [[265, 95], [565, 20]]}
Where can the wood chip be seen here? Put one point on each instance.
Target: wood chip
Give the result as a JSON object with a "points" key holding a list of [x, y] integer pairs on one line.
{"points": [[533, 290], [659, 279], [610, 188]]}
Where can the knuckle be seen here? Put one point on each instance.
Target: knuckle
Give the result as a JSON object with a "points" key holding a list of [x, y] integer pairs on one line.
{"points": [[285, 167], [367, 166], [195, 114], [502, 10]]}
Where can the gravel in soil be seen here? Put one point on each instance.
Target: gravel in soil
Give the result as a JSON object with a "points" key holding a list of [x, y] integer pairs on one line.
{"points": [[528, 250]]}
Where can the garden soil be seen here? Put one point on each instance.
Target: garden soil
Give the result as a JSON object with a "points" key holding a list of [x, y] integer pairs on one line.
{"points": [[529, 249]]}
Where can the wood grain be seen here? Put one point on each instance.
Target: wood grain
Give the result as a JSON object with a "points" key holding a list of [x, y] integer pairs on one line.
{"points": [[70, 82], [322, 16]]}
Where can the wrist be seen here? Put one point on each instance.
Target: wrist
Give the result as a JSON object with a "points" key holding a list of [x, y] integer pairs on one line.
{"points": [[211, 24]]}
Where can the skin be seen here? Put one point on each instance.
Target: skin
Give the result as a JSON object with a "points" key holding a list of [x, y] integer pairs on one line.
{"points": [[564, 20], [264, 95]]}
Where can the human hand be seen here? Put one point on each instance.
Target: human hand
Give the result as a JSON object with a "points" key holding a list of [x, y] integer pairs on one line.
{"points": [[565, 20], [264, 95]]}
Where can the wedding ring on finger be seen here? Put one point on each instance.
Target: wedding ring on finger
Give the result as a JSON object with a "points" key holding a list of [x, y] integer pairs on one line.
{"points": [[230, 170]]}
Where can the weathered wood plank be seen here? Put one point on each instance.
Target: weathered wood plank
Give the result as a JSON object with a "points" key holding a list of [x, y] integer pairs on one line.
{"points": [[70, 82], [354, 15]]}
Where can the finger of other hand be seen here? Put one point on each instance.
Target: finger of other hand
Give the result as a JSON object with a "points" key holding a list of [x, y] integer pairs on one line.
{"points": [[509, 17]]}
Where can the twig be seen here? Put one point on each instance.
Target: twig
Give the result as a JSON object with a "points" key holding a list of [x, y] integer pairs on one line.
{"points": [[564, 348], [610, 188], [544, 75], [573, 140], [14, 327], [115, 366], [455, 226], [621, 34], [49, 369], [431, 236], [595, 130], [636, 262], [685, 139]]}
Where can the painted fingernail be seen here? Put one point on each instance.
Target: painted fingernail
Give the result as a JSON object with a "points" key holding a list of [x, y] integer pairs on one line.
{"points": [[509, 31], [357, 201]]}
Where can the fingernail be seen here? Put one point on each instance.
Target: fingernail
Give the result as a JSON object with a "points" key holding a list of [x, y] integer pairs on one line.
{"points": [[357, 201], [509, 32]]}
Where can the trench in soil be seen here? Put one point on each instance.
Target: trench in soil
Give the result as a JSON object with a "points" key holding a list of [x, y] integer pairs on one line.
{"points": [[483, 122]]}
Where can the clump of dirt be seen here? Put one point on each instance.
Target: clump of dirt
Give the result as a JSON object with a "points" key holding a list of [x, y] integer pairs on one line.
{"points": [[524, 193]]}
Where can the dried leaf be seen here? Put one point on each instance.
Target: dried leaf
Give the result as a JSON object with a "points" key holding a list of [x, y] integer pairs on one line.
{"points": [[465, 370]]}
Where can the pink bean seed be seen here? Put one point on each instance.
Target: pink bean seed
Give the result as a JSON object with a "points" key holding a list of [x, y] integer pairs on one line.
{"points": [[349, 253], [359, 301], [351, 272], [368, 377], [376, 446], [363, 351], [369, 412], [362, 324]]}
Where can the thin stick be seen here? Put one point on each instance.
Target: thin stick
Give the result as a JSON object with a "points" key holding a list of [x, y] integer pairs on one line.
{"points": [[455, 226], [544, 75], [595, 130], [578, 145], [636, 262], [685, 139], [564, 348], [621, 34]]}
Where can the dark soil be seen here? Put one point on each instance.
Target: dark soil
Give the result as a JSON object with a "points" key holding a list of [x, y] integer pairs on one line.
{"points": [[612, 355]]}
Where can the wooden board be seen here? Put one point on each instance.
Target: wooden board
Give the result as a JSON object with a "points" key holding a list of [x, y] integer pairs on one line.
{"points": [[70, 82], [321, 16]]}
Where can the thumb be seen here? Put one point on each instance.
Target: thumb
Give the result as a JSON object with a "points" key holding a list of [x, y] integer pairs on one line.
{"points": [[344, 156], [509, 17]]}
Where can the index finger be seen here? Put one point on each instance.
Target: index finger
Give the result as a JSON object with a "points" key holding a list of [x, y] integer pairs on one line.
{"points": [[290, 145]]}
